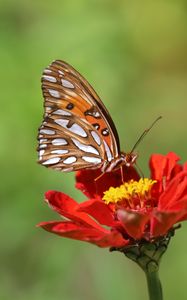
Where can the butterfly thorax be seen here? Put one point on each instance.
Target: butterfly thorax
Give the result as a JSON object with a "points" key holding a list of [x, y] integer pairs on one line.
{"points": [[127, 159]]}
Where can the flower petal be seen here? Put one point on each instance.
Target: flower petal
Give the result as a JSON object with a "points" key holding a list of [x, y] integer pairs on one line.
{"points": [[67, 207], [100, 238], [93, 185], [133, 222], [176, 189], [99, 211], [181, 208], [163, 222], [164, 165]]}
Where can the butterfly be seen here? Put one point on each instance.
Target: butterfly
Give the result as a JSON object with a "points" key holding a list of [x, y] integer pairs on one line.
{"points": [[77, 131]]}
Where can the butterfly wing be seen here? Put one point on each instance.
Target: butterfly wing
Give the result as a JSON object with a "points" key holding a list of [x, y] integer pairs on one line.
{"points": [[67, 94], [69, 143]]}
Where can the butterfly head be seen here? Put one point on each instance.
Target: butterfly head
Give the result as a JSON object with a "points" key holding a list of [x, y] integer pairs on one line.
{"points": [[129, 158]]}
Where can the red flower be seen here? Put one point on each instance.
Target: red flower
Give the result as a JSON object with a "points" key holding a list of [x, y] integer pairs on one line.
{"points": [[126, 213]]}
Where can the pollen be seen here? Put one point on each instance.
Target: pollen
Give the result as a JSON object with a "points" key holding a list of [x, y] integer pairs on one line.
{"points": [[131, 193]]}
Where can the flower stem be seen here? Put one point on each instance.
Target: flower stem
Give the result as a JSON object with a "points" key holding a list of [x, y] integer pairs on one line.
{"points": [[148, 256], [154, 285]]}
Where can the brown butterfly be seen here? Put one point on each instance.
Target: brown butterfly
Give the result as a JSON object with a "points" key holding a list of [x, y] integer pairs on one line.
{"points": [[77, 131]]}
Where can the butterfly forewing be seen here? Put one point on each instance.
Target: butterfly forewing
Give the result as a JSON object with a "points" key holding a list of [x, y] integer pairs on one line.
{"points": [[64, 87], [77, 131]]}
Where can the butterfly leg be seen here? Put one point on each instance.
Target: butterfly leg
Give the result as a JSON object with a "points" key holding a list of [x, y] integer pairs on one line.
{"points": [[95, 181], [122, 177], [98, 177]]}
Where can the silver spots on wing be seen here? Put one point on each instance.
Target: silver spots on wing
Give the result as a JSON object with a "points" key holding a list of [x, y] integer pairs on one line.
{"points": [[62, 122], [70, 160], [85, 148], [43, 146], [48, 109], [96, 126], [108, 152], [94, 160], [75, 128], [54, 93], [59, 142], [96, 137], [47, 131], [51, 161], [60, 72], [47, 71], [93, 112], [43, 141], [60, 151], [49, 78], [67, 84], [41, 153], [62, 112], [105, 132]]}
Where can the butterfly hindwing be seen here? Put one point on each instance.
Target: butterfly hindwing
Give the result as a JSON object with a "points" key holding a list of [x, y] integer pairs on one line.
{"points": [[68, 143]]}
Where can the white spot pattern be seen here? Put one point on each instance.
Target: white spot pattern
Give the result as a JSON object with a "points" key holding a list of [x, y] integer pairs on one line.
{"points": [[96, 114], [43, 141], [67, 84], [75, 128], [49, 78], [108, 152], [43, 146], [62, 122], [47, 131], [47, 71], [96, 137], [62, 112], [54, 93], [52, 161], [85, 148], [47, 109], [70, 160], [41, 152], [59, 142], [60, 151], [60, 72], [94, 160]]}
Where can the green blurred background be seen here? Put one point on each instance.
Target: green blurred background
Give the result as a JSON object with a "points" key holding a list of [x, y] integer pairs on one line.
{"points": [[134, 54]]}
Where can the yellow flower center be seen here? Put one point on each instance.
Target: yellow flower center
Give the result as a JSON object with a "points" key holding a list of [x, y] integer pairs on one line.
{"points": [[129, 192]]}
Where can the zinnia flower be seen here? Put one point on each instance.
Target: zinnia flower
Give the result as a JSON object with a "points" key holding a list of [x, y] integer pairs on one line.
{"points": [[120, 214]]}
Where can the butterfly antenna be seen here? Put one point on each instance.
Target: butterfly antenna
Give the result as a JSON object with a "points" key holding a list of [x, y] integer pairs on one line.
{"points": [[145, 133]]}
